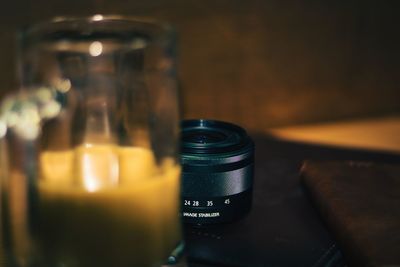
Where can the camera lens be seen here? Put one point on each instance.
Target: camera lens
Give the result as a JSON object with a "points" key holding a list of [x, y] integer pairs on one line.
{"points": [[217, 179]]}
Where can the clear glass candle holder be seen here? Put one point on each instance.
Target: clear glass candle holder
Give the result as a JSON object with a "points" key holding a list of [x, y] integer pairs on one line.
{"points": [[90, 174]]}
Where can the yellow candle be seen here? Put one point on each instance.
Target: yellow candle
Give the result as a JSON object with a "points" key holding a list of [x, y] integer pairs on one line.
{"points": [[107, 206]]}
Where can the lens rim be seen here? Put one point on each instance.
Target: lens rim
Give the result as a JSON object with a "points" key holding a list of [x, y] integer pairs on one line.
{"points": [[235, 139], [82, 26]]}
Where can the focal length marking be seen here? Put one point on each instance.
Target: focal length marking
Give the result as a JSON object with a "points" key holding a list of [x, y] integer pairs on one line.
{"points": [[206, 203]]}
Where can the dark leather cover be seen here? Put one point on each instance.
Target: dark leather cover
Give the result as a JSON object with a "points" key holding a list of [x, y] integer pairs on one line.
{"points": [[360, 202]]}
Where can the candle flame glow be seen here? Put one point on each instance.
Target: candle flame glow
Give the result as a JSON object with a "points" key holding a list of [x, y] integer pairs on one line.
{"points": [[99, 168]]}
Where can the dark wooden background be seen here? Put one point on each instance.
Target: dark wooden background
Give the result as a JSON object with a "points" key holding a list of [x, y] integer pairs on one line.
{"points": [[259, 63]]}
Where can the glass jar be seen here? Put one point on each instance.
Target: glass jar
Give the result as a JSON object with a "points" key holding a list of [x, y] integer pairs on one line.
{"points": [[90, 174]]}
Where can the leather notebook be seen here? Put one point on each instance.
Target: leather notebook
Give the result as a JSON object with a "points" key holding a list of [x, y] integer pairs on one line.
{"points": [[360, 203]]}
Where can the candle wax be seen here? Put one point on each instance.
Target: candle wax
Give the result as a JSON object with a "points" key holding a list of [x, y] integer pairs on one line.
{"points": [[106, 205]]}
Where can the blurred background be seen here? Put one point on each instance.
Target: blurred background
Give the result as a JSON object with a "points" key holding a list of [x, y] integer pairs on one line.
{"points": [[261, 64]]}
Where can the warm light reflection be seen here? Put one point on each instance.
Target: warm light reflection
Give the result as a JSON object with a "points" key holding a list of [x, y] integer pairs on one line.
{"points": [[3, 129], [63, 85], [375, 133], [90, 182], [96, 48], [98, 17]]}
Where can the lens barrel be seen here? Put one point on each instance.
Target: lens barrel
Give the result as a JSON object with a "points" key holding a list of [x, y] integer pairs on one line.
{"points": [[217, 179]]}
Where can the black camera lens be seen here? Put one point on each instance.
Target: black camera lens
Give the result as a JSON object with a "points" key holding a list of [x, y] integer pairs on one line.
{"points": [[217, 172]]}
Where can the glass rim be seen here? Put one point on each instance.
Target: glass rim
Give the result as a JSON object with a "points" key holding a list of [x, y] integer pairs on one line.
{"points": [[34, 32]]}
